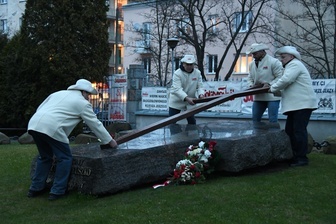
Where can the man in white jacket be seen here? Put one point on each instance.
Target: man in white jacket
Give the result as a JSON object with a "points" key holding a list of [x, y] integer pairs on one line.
{"points": [[50, 127], [298, 101], [187, 85], [264, 69]]}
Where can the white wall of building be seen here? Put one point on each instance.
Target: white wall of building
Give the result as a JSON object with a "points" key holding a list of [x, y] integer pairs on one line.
{"points": [[132, 17], [11, 11]]}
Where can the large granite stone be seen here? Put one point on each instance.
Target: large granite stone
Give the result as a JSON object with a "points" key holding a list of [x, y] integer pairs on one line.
{"points": [[152, 157], [242, 147], [86, 139], [4, 139], [26, 138]]}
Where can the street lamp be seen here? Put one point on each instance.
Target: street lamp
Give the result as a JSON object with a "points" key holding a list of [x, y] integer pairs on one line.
{"points": [[172, 43]]}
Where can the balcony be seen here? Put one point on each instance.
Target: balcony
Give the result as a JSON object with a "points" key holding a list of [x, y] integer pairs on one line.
{"points": [[111, 14], [143, 47], [112, 61], [112, 38]]}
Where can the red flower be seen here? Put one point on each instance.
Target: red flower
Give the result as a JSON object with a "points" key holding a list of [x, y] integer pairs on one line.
{"points": [[212, 145], [177, 173]]}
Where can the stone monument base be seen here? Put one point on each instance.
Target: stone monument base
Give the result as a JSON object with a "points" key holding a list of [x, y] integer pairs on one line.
{"points": [[152, 157]]}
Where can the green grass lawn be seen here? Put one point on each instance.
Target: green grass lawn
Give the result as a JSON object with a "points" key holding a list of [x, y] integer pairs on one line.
{"points": [[265, 195]]}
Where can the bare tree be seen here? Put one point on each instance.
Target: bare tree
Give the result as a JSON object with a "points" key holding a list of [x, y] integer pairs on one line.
{"points": [[194, 27], [151, 37], [242, 19], [200, 24], [311, 30]]}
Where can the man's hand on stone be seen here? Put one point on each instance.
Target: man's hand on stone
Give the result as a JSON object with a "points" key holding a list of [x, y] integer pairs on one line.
{"points": [[113, 144]]}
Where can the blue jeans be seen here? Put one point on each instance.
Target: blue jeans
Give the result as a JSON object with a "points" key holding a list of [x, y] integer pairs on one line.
{"points": [[259, 108], [48, 147], [173, 111], [296, 129]]}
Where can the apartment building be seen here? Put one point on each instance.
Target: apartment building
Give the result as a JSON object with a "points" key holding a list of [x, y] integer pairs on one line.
{"points": [[132, 37], [11, 15], [115, 17], [122, 15]]}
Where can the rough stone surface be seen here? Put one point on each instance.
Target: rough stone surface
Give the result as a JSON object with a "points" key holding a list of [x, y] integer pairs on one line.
{"points": [[330, 148], [152, 157], [4, 139], [86, 139], [26, 139], [115, 128]]}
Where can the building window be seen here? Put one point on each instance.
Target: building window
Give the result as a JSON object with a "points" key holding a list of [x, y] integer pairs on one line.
{"points": [[242, 64], [246, 23], [147, 65], [3, 26], [119, 56], [3, 1], [212, 63], [213, 23], [183, 26], [143, 45]]}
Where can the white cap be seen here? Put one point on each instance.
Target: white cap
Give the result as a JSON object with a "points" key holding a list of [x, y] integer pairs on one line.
{"points": [[189, 59]]}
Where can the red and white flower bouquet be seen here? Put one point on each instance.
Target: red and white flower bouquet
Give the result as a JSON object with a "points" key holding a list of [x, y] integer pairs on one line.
{"points": [[198, 163]]}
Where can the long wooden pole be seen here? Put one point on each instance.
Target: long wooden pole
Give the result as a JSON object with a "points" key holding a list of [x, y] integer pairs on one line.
{"points": [[173, 119]]}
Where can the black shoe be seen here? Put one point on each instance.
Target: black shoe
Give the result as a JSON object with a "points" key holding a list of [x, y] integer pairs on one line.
{"points": [[33, 194], [260, 125], [299, 163], [53, 197], [273, 125]]}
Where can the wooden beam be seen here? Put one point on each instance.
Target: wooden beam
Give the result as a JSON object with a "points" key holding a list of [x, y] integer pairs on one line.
{"points": [[173, 119]]}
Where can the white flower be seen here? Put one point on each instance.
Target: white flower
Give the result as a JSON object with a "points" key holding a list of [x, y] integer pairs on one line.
{"points": [[194, 152], [186, 176], [203, 158], [183, 162], [201, 144], [207, 153]]}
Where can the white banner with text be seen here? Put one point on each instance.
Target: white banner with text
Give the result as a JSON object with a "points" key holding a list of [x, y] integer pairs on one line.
{"points": [[156, 98]]}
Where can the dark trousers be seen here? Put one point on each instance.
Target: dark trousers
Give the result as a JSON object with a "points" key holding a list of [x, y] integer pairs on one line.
{"points": [[296, 129], [173, 111], [48, 148]]}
